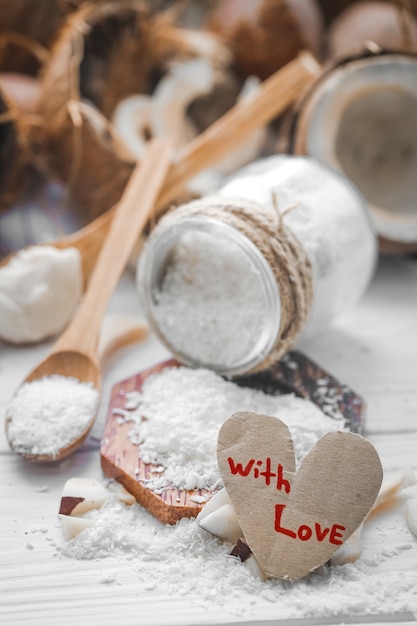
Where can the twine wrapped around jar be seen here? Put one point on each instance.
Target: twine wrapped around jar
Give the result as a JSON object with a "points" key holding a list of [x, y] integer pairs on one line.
{"points": [[280, 247], [231, 283]]}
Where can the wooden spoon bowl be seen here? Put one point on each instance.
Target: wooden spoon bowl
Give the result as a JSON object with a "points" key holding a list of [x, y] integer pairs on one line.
{"points": [[70, 364]]}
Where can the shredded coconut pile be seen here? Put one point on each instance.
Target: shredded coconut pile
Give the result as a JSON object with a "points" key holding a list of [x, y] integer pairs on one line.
{"points": [[182, 560], [210, 306], [47, 414], [184, 410]]}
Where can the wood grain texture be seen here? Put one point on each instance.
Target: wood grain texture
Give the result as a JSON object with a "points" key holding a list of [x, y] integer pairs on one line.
{"points": [[120, 459]]}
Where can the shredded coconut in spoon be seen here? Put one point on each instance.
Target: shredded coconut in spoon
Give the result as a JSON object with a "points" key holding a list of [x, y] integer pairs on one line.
{"points": [[47, 414]]}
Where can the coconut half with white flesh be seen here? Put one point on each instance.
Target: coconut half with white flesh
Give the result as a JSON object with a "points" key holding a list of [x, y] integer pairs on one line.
{"points": [[360, 118]]}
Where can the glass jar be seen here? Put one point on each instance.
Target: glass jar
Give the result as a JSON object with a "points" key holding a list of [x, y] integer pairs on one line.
{"points": [[218, 299]]}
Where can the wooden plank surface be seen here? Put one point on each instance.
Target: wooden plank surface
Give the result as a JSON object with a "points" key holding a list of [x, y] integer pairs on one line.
{"points": [[373, 349]]}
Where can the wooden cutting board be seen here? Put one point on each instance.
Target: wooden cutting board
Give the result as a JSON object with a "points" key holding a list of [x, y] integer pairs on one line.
{"points": [[294, 373]]}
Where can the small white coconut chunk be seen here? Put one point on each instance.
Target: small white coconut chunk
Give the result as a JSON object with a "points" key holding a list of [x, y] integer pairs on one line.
{"points": [[218, 517], [133, 123], [81, 495], [407, 493], [254, 568], [223, 523], [121, 493], [392, 484], [411, 515], [40, 288], [219, 499], [73, 526], [185, 82]]}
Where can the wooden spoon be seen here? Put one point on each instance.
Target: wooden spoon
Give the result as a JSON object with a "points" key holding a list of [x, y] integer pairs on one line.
{"points": [[273, 96], [75, 352]]}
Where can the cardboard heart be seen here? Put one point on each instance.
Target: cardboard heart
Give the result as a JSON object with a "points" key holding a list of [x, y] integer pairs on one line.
{"points": [[293, 521]]}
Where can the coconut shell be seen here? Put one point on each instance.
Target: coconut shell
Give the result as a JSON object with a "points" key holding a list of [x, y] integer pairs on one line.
{"points": [[28, 28], [293, 133], [13, 154], [104, 54], [264, 35], [333, 8], [380, 22]]}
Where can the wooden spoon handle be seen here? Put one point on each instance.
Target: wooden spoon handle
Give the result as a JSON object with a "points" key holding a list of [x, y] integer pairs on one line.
{"points": [[129, 219]]}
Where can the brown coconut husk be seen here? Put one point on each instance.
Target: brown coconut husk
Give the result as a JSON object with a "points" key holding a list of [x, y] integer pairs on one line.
{"points": [[104, 54], [264, 35], [333, 8], [28, 29], [293, 130], [13, 153]]}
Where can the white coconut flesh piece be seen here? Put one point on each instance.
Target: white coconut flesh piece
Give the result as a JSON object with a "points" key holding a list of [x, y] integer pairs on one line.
{"points": [[362, 121], [165, 114]]}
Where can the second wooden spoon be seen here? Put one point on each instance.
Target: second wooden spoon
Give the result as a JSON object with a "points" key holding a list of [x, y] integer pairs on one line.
{"points": [[75, 353]]}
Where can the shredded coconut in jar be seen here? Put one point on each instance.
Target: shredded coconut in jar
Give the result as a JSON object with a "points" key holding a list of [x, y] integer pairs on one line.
{"points": [[184, 409], [213, 286], [46, 414], [330, 219]]}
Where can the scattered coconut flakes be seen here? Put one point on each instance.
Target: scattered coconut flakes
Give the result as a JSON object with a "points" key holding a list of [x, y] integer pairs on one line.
{"points": [[184, 561], [184, 410], [107, 577]]}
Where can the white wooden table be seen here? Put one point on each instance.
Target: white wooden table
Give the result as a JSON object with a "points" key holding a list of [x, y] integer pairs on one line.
{"points": [[373, 350]]}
